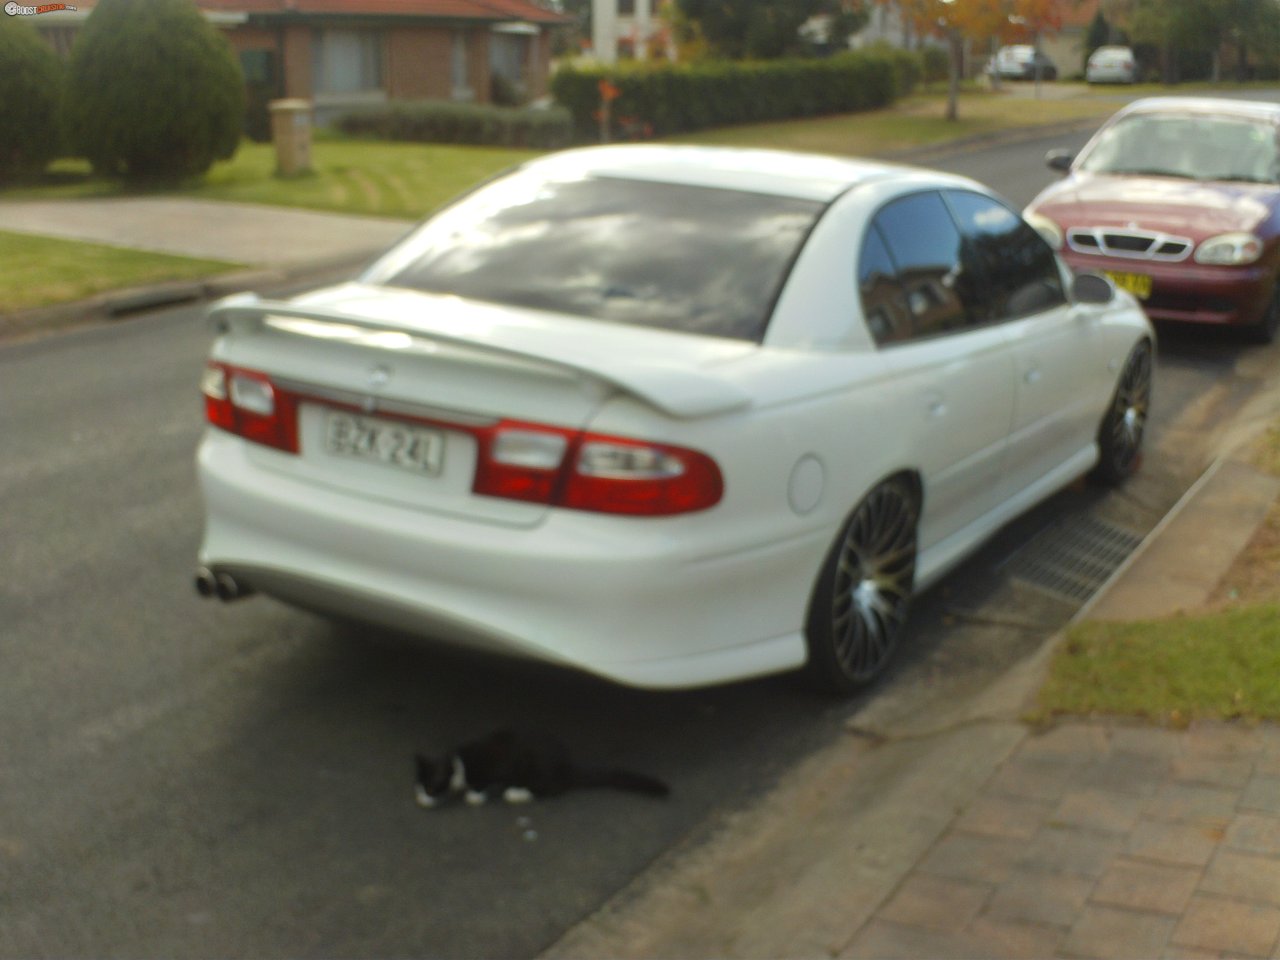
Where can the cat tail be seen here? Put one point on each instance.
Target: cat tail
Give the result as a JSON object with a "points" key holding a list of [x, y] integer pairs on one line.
{"points": [[622, 780]]}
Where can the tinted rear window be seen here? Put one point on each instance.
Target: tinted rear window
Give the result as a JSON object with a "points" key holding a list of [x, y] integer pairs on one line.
{"points": [[695, 259]]}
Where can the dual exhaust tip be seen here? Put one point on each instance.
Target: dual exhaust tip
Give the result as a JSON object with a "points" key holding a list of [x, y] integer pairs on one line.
{"points": [[221, 585]]}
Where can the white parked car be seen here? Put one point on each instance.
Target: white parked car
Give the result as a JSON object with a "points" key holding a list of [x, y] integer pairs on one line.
{"points": [[1022, 62], [670, 415], [1111, 65]]}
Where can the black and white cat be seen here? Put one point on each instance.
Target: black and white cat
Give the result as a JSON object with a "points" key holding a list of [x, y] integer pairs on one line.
{"points": [[517, 769]]}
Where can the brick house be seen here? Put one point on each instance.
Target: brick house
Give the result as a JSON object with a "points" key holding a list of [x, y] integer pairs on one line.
{"points": [[343, 54]]}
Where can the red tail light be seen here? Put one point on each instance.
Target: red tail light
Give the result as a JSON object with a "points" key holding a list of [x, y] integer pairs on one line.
{"points": [[586, 471], [248, 404], [616, 475], [515, 460]]}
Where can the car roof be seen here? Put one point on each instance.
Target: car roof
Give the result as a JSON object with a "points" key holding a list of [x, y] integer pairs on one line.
{"points": [[1254, 109], [807, 176]]}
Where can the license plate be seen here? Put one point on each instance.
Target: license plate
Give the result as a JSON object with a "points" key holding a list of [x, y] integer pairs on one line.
{"points": [[384, 441], [1139, 284]]}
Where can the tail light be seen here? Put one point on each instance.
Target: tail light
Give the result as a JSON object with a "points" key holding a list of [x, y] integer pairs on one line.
{"points": [[246, 403], [615, 475], [516, 460], [587, 471]]}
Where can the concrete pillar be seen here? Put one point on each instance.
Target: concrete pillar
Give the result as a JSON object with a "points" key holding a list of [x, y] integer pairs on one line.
{"points": [[643, 22], [604, 30]]}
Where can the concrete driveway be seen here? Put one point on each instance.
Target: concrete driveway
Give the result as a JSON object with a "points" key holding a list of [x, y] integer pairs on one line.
{"points": [[214, 230]]}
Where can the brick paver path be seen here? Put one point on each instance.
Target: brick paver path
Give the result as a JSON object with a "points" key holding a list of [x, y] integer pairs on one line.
{"points": [[1098, 840]]}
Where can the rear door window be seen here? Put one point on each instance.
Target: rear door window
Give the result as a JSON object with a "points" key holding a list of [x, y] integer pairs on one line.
{"points": [[939, 288], [1020, 269]]}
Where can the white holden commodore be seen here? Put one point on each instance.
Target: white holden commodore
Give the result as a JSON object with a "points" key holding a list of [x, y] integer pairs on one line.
{"points": [[670, 415]]}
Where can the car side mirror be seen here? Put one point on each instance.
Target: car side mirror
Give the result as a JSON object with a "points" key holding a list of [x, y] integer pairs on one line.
{"points": [[1059, 160], [1092, 288]]}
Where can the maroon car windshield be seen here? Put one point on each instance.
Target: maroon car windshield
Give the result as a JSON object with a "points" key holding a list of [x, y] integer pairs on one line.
{"points": [[1191, 146]]}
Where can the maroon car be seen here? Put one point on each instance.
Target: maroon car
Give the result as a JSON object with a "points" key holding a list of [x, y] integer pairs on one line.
{"points": [[1177, 200]]}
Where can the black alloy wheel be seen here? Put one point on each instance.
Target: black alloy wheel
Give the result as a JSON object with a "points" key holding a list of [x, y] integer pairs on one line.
{"points": [[860, 601], [1120, 436]]}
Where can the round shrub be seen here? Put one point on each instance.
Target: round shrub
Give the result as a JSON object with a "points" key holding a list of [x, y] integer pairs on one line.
{"points": [[155, 91], [30, 91]]}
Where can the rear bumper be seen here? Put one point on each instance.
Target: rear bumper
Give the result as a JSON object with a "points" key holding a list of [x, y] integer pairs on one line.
{"points": [[642, 605], [1187, 292]]}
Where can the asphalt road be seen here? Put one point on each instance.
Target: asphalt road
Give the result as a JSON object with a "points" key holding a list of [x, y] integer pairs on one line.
{"points": [[185, 779]]}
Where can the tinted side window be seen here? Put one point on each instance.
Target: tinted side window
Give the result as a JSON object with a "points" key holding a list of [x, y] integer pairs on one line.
{"points": [[1020, 268], [941, 294], [884, 303]]}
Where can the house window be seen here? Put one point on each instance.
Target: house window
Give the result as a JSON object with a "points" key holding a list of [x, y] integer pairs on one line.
{"points": [[346, 61], [460, 74]]}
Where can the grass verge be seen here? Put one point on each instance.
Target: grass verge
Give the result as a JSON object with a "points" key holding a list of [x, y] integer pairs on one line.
{"points": [[39, 271], [914, 122], [358, 177], [1221, 663]]}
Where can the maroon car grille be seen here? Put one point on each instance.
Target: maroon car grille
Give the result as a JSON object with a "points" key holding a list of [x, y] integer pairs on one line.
{"points": [[1138, 244]]}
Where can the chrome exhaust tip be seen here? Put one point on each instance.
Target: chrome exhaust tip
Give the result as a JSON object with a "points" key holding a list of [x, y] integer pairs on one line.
{"points": [[206, 583], [229, 588]]}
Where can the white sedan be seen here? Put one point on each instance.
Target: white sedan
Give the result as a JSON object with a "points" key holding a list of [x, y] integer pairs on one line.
{"points": [[670, 415]]}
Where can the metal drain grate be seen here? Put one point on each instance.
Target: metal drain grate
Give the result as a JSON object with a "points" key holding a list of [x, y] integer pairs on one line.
{"points": [[1073, 558]]}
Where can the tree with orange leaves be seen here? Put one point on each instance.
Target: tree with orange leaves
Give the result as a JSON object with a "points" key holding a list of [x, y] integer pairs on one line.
{"points": [[979, 20]]}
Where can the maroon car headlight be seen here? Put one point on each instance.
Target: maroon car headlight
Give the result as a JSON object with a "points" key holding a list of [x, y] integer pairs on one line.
{"points": [[1229, 249], [1051, 232]]}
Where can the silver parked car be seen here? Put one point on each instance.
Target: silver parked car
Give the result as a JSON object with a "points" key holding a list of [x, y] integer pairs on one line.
{"points": [[1111, 65], [1022, 62]]}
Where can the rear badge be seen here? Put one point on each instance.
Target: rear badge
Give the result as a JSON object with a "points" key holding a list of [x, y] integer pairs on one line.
{"points": [[379, 376]]}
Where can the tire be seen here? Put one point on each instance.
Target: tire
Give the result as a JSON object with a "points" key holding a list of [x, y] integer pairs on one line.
{"points": [[1266, 330], [862, 595], [1120, 435]]}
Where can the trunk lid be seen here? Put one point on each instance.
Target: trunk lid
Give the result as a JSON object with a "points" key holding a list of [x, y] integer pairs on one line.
{"points": [[426, 372]]}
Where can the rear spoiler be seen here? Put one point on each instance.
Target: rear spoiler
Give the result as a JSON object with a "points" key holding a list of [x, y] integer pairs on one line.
{"points": [[678, 392]]}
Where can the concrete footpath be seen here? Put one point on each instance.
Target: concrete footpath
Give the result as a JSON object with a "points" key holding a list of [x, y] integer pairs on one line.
{"points": [[976, 835], [276, 244]]}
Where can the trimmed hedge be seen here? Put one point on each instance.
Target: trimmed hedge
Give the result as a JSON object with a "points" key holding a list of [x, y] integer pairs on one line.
{"points": [[664, 99], [155, 92], [438, 121], [31, 83]]}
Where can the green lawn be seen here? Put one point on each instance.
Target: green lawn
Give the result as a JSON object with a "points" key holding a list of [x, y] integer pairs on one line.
{"points": [[39, 271], [917, 121], [1218, 665], [363, 177]]}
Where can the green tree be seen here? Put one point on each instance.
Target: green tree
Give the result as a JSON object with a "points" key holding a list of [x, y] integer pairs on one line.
{"points": [[765, 29], [31, 78], [1098, 35], [155, 91]]}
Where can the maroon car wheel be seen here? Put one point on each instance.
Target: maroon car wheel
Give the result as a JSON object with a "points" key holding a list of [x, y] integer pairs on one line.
{"points": [[1266, 331]]}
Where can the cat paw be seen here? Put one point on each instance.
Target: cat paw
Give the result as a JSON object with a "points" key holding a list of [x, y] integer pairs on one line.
{"points": [[517, 795], [476, 797], [424, 799]]}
